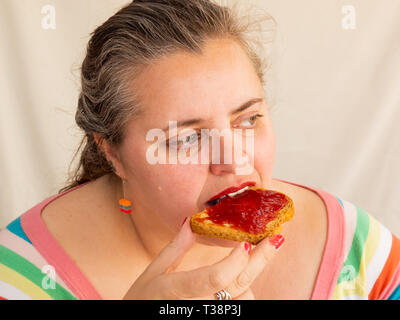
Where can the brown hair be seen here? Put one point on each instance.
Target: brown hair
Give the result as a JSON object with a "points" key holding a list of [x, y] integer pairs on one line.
{"points": [[123, 46]]}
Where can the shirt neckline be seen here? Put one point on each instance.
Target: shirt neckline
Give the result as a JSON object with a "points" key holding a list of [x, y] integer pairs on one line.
{"points": [[75, 279]]}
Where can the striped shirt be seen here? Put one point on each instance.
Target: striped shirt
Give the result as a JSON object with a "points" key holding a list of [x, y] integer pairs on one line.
{"points": [[361, 259]]}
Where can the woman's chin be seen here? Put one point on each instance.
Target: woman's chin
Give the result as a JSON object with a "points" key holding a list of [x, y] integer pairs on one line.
{"points": [[211, 241]]}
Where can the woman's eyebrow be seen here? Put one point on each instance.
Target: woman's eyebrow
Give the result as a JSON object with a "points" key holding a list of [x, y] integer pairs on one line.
{"points": [[242, 107], [246, 105]]}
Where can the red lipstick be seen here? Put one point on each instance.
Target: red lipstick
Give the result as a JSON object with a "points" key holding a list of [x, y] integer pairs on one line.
{"points": [[232, 189]]}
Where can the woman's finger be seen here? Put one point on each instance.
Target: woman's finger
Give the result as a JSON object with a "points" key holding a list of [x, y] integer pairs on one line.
{"points": [[260, 256], [205, 281]]}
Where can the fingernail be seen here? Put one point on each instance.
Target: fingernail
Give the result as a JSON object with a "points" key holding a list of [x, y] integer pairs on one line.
{"points": [[277, 241], [247, 247], [183, 221]]}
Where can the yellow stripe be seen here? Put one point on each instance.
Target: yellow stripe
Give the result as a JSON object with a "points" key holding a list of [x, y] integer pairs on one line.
{"points": [[358, 286], [372, 241], [23, 284]]}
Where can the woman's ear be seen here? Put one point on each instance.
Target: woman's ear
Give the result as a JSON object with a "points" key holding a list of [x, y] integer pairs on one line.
{"points": [[110, 153]]}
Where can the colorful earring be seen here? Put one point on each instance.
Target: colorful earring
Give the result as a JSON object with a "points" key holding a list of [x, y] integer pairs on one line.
{"points": [[124, 204]]}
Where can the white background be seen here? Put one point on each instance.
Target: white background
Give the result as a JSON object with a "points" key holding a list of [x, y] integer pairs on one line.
{"points": [[336, 91]]}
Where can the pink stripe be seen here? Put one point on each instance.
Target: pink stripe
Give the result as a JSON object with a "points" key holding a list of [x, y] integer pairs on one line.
{"points": [[332, 258], [385, 294], [51, 250]]}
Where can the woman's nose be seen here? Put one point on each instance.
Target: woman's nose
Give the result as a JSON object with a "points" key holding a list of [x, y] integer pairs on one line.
{"points": [[229, 156]]}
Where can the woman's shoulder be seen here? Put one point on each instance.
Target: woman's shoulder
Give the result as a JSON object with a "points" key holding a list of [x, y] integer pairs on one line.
{"points": [[367, 252], [35, 246], [363, 227], [55, 203], [74, 206], [72, 198], [20, 225], [79, 213]]}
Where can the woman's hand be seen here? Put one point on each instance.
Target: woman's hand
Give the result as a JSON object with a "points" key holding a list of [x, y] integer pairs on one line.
{"points": [[235, 273]]}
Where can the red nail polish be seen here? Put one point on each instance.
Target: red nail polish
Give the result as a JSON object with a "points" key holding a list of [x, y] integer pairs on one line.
{"points": [[247, 247], [183, 221], [277, 241]]}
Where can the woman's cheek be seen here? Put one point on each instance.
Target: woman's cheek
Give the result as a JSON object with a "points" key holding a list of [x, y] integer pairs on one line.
{"points": [[264, 146], [179, 183]]}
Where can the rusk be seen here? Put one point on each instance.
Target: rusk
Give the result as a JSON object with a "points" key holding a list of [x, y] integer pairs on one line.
{"points": [[228, 232]]}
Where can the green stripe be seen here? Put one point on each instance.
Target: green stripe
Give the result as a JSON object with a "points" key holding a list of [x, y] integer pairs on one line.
{"points": [[15, 262], [351, 267]]}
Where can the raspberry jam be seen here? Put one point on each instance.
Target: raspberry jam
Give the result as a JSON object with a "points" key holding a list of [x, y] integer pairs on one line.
{"points": [[249, 211]]}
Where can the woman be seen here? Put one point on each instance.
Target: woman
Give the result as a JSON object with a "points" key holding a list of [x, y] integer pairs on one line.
{"points": [[168, 60]]}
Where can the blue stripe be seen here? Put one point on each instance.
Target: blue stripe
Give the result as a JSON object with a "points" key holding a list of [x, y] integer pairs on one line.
{"points": [[395, 294], [341, 203], [15, 227], [126, 208]]}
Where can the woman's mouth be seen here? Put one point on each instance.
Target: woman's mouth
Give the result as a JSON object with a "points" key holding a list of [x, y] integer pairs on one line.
{"points": [[232, 194]]}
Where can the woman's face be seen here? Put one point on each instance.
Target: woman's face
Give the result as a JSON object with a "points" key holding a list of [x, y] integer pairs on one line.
{"points": [[182, 87]]}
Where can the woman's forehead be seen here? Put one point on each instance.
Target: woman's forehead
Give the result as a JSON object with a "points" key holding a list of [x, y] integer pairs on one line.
{"points": [[198, 85]]}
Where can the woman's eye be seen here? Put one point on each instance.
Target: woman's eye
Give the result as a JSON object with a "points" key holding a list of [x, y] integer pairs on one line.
{"points": [[185, 141], [190, 140], [252, 119]]}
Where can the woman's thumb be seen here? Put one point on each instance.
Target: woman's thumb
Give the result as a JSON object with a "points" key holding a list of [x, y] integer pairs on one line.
{"points": [[171, 255]]}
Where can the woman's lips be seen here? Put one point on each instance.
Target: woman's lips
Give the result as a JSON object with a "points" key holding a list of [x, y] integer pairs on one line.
{"points": [[232, 189]]}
